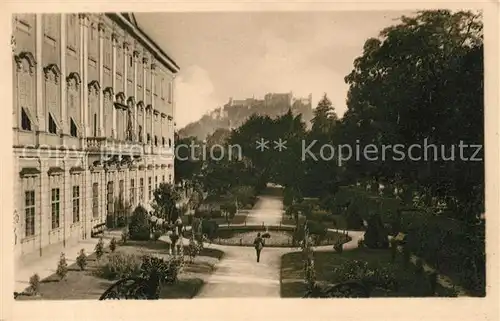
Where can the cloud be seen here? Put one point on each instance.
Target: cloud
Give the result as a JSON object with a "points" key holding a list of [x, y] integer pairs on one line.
{"points": [[195, 95]]}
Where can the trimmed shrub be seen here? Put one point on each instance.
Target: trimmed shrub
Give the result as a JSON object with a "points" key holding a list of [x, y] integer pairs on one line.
{"points": [[112, 244], [81, 260], [139, 227], [99, 249], [361, 243], [62, 267], [34, 284]]}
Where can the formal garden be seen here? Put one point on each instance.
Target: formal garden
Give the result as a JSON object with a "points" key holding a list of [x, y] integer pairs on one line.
{"points": [[354, 228]]}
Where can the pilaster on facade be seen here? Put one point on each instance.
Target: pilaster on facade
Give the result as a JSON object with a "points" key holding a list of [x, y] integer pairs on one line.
{"points": [[82, 73], [114, 39], [135, 58], [42, 127], [153, 73], [125, 68], [101, 30], [87, 199], [44, 190], [85, 89], [65, 191], [62, 83], [144, 62]]}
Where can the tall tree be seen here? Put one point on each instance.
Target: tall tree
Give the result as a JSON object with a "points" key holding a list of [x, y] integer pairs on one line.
{"points": [[422, 80], [324, 116]]}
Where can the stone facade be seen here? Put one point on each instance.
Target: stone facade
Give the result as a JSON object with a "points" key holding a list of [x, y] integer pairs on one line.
{"points": [[92, 122]]}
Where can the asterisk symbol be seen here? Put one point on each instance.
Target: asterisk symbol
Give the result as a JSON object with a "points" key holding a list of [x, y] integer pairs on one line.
{"points": [[262, 144], [280, 145]]}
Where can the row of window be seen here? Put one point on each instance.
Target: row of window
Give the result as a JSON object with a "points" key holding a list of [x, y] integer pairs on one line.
{"points": [[26, 125], [55, 209], [52, 30], [30, 204]]}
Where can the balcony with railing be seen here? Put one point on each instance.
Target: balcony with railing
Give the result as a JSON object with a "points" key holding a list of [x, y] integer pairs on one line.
{"points": [[113, 146]]}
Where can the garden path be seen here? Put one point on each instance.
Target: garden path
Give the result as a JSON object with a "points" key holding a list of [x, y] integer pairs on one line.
{"points": [[239, 275]]}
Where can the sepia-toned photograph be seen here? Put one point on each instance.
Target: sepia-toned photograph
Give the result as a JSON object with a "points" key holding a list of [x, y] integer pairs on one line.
{"points": [[266, 154]]}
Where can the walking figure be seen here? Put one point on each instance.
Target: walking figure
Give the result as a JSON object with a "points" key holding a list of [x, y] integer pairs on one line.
{"points": [[259, 244]]}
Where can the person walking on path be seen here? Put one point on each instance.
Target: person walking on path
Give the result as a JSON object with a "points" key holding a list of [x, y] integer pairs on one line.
{"points": [[259, 244]]}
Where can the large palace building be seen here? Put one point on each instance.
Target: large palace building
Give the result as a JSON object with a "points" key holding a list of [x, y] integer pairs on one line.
{"points": [[92, 123]]}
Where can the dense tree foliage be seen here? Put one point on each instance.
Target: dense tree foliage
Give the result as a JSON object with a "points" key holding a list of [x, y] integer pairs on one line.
{"points": [[166, 196]]}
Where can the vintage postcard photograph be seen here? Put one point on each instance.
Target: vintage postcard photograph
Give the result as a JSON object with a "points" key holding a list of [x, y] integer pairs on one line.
{"points": [[264, 154]]}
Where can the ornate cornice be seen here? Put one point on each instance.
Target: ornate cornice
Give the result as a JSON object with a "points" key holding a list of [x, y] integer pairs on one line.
{"points": [[83, 16]]}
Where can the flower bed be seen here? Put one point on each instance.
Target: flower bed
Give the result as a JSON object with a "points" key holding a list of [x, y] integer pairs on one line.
{"points": [[279, 236]]}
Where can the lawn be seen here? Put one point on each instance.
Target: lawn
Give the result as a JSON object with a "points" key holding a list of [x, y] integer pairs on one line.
{"points": [[81, 285], [411, 285]]}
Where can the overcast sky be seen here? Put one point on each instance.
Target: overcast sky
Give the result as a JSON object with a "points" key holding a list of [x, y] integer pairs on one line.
{"points": [[247, 54]]}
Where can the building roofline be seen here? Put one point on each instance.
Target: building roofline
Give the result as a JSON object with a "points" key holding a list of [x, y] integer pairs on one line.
{"points": [[145, 40]]}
